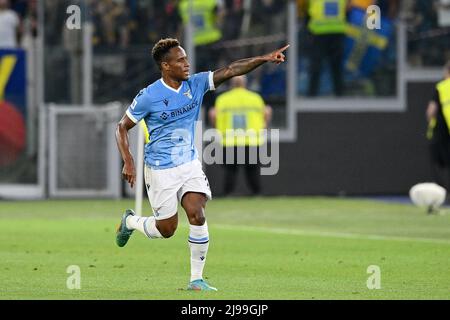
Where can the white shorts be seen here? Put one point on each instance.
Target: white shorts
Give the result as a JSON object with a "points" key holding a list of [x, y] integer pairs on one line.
{"points": [[166, 187]]}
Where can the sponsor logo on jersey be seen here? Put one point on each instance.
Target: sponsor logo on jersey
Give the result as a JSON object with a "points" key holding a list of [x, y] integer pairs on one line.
{"points": [[179, 112], [164, 116], [183, 110]]}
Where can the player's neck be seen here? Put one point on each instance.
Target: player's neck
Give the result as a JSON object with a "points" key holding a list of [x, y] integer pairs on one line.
{"points": [[175, 84]]}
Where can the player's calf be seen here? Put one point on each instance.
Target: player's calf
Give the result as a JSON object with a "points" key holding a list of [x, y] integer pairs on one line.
{"points": [[167, 227]]}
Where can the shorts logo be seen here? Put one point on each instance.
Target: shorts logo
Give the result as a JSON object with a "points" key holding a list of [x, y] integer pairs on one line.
{"points": [[164, 116], [155, 212]]}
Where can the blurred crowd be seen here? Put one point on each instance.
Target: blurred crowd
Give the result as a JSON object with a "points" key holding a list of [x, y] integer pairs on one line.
{"points": [[125, 30], [128, 29], [428, 26], [18, 22], [428, 33], [340, 55]]}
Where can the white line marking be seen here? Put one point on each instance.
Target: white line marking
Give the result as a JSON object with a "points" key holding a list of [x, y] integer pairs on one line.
{"points": [[329, 234]]}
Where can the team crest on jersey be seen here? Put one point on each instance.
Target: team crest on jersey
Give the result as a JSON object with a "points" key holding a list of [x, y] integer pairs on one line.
{"points": [[188, 94]]}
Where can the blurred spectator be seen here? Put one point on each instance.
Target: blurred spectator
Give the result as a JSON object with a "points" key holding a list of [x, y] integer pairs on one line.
{"points": [[438, 116], [443, 7], [274, 16], [362, 4], [326, 25], [240, 115], [207, 18], [10, 26], [31, 18], [389, 8], [172, 20], [111, 23], [428, 43], [232, 22]]}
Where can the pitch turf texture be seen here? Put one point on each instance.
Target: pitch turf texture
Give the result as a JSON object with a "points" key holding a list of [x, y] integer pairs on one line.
{"points": [[261, 248]]}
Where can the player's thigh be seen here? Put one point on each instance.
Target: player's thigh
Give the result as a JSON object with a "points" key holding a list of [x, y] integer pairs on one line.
{"points": [[162, 193], [194, 194], [197, 182]]}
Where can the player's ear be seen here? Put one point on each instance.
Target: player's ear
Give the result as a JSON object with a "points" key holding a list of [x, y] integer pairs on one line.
{"points": [[164, 66]]}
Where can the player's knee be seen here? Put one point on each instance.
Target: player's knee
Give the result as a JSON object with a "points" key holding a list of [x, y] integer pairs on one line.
{"points": [[167, 231], [197, 218], [167, 227]]}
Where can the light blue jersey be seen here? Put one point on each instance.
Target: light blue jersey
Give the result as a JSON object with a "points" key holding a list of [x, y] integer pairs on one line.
{"points": [[170, 116]]}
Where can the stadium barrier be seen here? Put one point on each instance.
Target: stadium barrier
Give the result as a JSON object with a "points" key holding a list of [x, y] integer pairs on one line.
{"points": [[82, 152]]}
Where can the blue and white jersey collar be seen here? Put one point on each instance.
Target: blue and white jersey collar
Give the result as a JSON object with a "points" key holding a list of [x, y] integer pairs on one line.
{"points": [[170, 88]]}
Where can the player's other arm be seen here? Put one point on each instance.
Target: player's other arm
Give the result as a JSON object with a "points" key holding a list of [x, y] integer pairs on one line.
{"points": [[128, 171], [433, 106], [212, 115], [431, 110], [244, 66]]}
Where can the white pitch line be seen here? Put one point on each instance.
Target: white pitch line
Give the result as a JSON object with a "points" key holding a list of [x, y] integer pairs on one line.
{"points": [[328, 234]]}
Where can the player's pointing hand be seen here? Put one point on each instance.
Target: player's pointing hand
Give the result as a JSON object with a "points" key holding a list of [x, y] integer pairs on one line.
{"points": [[277, 56]]}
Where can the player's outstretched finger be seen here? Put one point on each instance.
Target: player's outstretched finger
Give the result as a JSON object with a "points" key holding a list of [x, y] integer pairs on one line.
{"points": [[284, 48]]}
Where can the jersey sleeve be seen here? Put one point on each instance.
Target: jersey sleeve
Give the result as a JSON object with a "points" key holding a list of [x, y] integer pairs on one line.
{"points": [[204, 81], [139, 108]]}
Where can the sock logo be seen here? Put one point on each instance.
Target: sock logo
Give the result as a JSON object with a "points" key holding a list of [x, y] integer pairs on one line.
{"points": [[202, 258]]}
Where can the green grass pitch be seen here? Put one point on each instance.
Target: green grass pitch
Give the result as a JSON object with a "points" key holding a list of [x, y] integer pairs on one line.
{"points": [[261, 248]]}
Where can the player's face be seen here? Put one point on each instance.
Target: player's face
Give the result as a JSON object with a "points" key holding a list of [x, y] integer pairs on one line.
{"points": [[177, 64]]}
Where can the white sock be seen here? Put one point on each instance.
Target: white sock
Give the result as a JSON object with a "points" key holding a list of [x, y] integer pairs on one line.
{"points": [[198, 243], [146, 225]]}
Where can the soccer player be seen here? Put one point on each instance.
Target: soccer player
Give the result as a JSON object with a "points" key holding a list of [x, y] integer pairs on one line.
{"points": [[170, 106]]}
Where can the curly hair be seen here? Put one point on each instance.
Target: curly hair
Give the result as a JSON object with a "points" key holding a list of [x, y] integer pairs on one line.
{"points": [[161, 48]]}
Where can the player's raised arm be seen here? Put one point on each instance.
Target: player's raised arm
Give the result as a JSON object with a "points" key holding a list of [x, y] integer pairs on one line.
{"points": [[244, 66], [128, 171]]}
